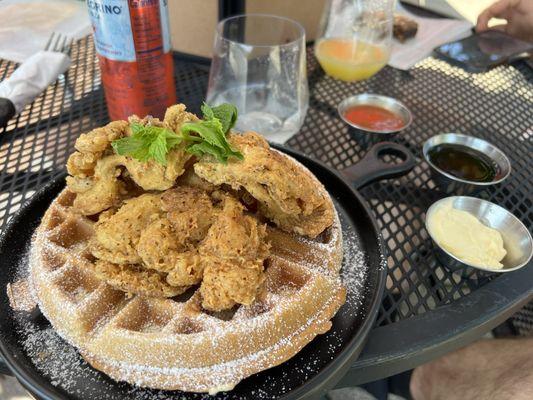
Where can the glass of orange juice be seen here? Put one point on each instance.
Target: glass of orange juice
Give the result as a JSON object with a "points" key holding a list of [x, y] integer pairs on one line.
{"points": [[355, 38]]}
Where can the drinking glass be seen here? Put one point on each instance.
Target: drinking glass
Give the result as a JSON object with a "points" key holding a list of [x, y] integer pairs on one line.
{"points": [[259, 65], [355, 38]]}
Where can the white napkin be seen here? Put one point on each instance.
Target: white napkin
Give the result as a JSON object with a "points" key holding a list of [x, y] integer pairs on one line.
{"points": [[28, 24], [32, 77], [432, 32]]}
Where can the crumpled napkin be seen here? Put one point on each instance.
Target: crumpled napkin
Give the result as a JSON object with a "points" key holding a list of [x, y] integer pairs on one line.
{"points": [[32, 77], [27, 25]]}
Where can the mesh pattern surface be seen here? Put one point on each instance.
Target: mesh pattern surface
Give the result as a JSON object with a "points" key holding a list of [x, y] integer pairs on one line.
{"points": [[495, 106]]}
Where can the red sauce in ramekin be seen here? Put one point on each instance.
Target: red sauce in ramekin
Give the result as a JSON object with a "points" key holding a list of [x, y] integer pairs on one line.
{"points": [[374, 118]]}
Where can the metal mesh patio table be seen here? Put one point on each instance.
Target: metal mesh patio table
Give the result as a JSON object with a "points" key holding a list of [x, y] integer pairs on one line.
{"points": [[426, 310]]}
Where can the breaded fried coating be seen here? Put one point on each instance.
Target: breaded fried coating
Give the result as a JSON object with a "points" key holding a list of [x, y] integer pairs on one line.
{"points": [[135, 279], [96, 171], [117, 234], [98, 140], [160, 244], [235, 235], [194, 221], [189, 178], [151, 175], [175, 116], [161, 249], [226, 284], [286, 195], [233, 253], [102, 190], [170, 243], [190, 211], [92, 146]]}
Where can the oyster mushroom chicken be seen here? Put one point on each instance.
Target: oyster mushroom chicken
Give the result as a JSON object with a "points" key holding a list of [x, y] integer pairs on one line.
{"points": [[184, 255]]}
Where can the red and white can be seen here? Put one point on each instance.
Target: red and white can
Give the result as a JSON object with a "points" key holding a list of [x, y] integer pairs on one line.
{"points": [[132, 40]]}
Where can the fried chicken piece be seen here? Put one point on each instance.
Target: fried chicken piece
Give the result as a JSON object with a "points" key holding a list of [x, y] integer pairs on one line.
{"points": [[151, 175], [91, 147], [135, 279], [228, 283], [286, 194], [189, 178], [96, 171], [82, 164], [235, 235], [190, 211], [101, 191], [117, 234], [170, 243], [99, 139], [161, 244], [161, 249], [105, 188], [175, 116], [233, 254]]}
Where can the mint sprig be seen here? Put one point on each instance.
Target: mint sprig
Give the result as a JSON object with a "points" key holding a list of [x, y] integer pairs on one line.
{"points": [[147, 142], [207, 136], [212, 129]]}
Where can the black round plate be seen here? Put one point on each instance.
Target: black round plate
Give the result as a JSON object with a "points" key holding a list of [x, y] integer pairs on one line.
{"points": [[59, 372]]}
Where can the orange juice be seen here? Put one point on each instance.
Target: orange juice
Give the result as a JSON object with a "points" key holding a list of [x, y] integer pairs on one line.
{"points": [[350, 59]]}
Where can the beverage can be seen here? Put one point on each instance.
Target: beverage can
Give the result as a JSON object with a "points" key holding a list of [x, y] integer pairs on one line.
{"points": [[132, 40]]}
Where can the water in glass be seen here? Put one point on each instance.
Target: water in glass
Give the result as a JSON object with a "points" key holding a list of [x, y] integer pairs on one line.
{"points": [[259, 65]]}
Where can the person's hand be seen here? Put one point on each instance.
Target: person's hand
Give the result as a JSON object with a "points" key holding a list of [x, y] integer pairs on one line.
{"points": [[517, 13], [499, 369]]}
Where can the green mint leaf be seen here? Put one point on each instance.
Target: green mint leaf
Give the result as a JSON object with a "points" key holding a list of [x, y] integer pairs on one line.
{"points": [[235, 153], [207, 111], [146, 143], [141, 154], [171, 139], [227, 114], [149, 142], [200, 149], [210, 131], [127, 145], [137, 128], [158, 149]]}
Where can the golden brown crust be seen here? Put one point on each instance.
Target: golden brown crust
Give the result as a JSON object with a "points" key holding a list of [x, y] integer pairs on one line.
{"points": [[287, 194], [233, 254], [134, 279], [175, 116], [190, 211], [230, 282], [98, 175], [99, 140], [161, 249], [117, 234], [182, 237]]}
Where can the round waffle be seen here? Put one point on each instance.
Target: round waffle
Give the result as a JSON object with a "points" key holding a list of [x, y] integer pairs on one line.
{"points": [[173, 343]]}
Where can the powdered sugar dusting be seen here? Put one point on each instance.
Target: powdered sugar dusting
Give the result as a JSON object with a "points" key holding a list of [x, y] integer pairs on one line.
{"points": [[63, 366]]}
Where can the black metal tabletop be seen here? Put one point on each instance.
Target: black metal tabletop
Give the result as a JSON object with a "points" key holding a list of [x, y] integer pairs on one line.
{"points": [[426, 309]]}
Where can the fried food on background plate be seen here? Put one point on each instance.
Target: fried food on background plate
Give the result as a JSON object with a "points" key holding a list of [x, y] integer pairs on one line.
{"points": [[285, 193]]}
